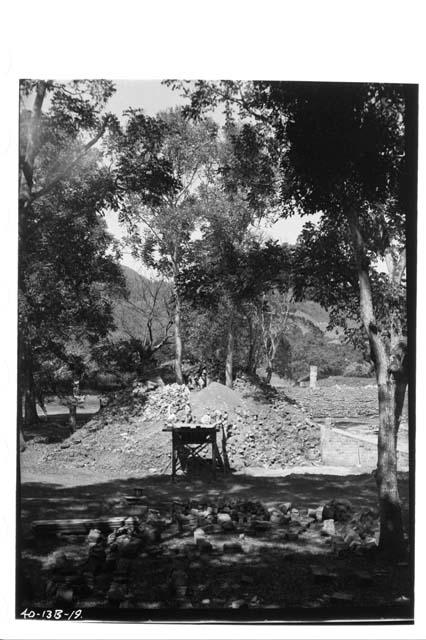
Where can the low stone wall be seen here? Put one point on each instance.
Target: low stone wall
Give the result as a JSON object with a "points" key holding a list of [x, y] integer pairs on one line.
{"points": [[342, 448]]}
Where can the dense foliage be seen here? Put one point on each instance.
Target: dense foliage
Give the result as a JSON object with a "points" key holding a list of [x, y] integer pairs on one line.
{"points": [[344, 150], [191, 196]]}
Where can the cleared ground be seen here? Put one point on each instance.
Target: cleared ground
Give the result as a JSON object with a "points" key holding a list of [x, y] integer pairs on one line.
{"points": [[271, 571]]}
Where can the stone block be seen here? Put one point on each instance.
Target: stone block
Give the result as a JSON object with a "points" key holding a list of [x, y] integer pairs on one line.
{"points": [[328, 528]]}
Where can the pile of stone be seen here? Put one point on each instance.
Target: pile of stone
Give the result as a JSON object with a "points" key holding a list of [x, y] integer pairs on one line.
{"points": [[335, 523], [151, 400], [165, 401], [273, 438], [108, 572], [105, 570], [262, 430], [217, 396]]}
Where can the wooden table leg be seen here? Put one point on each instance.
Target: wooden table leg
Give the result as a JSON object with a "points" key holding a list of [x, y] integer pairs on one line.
{"points": [[226, 465], [213, 437], [173, 456]]}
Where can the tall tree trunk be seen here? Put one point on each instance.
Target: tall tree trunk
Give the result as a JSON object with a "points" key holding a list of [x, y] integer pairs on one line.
{"points": [[20, 407], [268, 373], [230, 351], [19, 418], [73, 417], [22, 444], [178, 338], [30, 407], [399, 395], [33, 141], [391, 532], [271, 351], [25, 374], [399, 370], [251, 356]]}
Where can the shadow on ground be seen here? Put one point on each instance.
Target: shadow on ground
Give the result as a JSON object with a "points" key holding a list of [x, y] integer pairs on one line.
{"points": [[271, 580], [43, 500], [54, 427]]}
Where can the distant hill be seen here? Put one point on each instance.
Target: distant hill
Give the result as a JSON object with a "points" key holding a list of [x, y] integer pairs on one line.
{"points": [[152, 299], [148, 307], [319, 317]]}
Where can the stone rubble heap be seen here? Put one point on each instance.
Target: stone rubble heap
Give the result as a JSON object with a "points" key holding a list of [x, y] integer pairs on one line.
{"points": [[270, 431], [111, 563], [167, 400]]}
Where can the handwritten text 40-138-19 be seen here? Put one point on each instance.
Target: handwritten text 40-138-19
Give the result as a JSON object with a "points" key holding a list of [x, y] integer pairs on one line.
{"points": [[51, 614]]}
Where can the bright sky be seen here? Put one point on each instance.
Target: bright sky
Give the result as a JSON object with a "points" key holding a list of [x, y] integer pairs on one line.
{"points": [[152, 96]]}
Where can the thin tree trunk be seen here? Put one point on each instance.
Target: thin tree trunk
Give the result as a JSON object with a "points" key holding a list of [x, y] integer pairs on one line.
{"points": [[25, 375], [399, 395], [30, 407], [391, 532], [22, 445], [230, 352], [270, 356], [20, 404], [251, 357], [73, 417], [268, 372], [178, 339]]}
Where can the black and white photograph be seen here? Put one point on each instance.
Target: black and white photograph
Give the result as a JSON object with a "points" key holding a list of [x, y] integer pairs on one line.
{"points": [[214, 403], [214, 349]]}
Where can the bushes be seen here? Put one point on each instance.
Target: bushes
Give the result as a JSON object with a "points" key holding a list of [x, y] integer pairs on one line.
{"points": [[205, 336], [358, 370], [331, 357]]}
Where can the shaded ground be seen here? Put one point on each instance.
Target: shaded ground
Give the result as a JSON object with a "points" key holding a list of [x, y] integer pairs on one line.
{"points": [[54, 427], [272, 570], [269, 572], [97, 495]]}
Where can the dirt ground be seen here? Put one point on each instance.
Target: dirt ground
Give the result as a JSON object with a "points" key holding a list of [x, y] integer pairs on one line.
{"points": [[269, 569]]}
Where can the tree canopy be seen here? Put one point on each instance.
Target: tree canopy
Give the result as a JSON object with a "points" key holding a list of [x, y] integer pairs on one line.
{"points": [[342, 151], [191, 195]]}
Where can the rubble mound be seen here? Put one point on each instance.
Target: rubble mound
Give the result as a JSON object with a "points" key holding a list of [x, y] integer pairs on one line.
{"points": [[126, 435], [273, 438], [165, 400], [215, 396]]}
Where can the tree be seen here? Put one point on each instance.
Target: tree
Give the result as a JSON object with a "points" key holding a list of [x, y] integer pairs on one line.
{"points": [[234, 200], [274, 316], [356, 180], [62, 189], [74, 109], [68, 278], [228, 277], [343, 151], [185, 152]]}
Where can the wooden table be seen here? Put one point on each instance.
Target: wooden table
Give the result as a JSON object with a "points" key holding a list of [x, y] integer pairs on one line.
{"points": [[189, 441]]}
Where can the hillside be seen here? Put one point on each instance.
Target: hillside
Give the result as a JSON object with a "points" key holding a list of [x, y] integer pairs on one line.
{"points": [[146, 309], [147, 315]]}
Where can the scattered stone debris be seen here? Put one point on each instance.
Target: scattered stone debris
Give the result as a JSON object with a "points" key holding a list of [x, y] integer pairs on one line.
{"points": [[217, 551], [262, 428], [159, 558]]}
